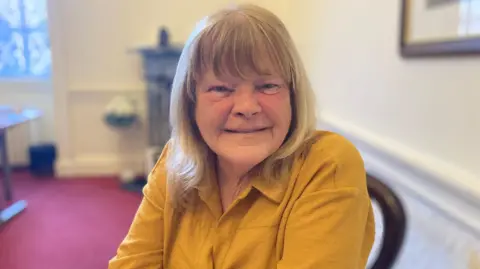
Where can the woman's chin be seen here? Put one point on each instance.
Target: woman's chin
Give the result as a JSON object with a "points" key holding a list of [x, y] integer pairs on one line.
{"points": [[245, 157]]}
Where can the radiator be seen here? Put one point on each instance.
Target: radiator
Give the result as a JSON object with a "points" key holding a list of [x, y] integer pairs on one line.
{"points": [[18, 141]]}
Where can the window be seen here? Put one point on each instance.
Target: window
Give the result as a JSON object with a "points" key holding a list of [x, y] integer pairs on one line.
{"points": [[469, 18], [24, 40]]}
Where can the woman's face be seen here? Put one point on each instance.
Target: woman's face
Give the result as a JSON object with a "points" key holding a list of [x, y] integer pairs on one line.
{"points": [[243, 121]]}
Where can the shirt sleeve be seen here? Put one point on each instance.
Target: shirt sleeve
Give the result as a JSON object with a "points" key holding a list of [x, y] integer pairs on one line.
{"points": [[331, 224], [142, 248]]}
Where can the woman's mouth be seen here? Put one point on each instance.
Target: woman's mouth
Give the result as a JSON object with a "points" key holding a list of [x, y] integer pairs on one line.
{"points": [[245, 131]]}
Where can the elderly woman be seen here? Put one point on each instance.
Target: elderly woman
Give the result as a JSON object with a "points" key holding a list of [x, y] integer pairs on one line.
{"points": [[246, 181]]}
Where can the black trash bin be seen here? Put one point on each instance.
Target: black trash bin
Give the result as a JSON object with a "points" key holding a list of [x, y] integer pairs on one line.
{"points": [[42, 159]]}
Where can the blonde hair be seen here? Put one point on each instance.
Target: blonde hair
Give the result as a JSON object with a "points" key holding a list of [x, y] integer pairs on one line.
{"points": [[234, 42]]}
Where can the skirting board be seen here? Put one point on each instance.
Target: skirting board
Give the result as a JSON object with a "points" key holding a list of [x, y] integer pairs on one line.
{"points": [[450, 190], [99, 165]]}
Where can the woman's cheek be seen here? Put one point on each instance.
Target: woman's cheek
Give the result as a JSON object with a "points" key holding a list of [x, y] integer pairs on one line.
{"points": [[278, 100]]}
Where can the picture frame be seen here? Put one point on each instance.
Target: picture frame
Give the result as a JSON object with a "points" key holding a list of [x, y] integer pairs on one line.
{"points": [[430, 28]]}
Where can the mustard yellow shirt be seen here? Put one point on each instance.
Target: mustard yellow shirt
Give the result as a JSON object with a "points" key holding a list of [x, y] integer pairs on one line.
{"points": [[320, 218]]}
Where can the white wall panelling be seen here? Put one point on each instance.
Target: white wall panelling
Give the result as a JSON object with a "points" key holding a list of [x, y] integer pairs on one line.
{"points": [[443, 213], [97, 148]]}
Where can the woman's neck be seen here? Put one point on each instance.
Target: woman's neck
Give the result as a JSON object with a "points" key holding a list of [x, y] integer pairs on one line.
{"points": [[231, 180], [231, 173]]}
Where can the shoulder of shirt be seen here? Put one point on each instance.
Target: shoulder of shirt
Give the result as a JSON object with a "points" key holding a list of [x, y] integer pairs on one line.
{"points": [[332, 146], [332, 161]]}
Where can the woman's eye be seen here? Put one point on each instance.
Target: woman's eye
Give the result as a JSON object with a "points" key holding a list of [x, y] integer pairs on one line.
{"points": [[220, 89], [269, 88]]}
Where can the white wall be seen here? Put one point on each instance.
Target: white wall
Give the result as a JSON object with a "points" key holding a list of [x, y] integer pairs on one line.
{"points": [[92, 43], [428, 106], [416, 121]]}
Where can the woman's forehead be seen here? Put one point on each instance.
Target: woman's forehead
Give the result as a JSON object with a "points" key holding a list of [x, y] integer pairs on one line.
{"points": [[251, 75], [241, 52], [238, 64]]}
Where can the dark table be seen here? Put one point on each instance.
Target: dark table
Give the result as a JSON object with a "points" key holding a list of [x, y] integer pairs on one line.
{"points": [[9, 118]]}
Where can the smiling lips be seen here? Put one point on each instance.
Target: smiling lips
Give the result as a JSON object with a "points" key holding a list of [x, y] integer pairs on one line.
{"points": [[245, 131]]}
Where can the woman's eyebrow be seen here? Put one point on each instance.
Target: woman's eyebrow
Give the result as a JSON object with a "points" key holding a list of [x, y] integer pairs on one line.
{"points": [[268, 78]]}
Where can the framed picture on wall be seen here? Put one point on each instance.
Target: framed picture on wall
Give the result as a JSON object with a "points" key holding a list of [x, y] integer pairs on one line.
{"points": [[440, 27]]}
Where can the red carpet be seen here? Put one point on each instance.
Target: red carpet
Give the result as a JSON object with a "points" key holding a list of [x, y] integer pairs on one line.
{"points": [[68, 224]]}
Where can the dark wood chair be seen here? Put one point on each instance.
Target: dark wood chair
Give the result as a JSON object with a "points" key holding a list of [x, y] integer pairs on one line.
{"points": [[394, 222]]}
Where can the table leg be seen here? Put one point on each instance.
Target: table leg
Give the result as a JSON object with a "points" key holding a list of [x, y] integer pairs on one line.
{"points": [[14, 209], [7, 186]]}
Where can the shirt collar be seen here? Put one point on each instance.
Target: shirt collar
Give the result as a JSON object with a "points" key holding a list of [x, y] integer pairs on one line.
{"points": [[273, 189]]}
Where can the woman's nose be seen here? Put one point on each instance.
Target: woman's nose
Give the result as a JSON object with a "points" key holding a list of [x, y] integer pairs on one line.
{"points": [[245, 102]]}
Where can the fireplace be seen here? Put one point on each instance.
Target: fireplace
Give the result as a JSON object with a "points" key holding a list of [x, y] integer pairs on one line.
{"points": [[159, 66]]}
